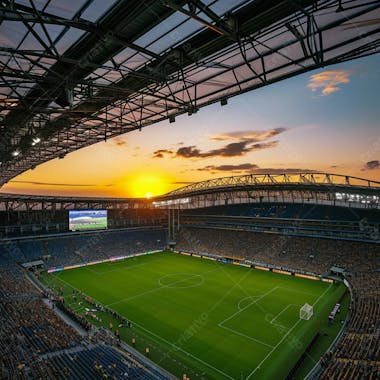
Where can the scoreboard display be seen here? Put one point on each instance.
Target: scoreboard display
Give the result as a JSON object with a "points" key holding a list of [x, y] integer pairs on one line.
{"points": [[83, 220]]}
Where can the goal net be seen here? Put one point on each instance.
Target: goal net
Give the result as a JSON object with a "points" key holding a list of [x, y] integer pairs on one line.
{"points": [[306, 311]]}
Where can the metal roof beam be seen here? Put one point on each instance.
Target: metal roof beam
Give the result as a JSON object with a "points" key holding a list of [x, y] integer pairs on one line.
{"points": [[194, 16], [78, 24]]}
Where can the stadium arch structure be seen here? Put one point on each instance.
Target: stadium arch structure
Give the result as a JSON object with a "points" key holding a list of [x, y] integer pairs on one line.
{"points": [[308, 204], [304, 187]]}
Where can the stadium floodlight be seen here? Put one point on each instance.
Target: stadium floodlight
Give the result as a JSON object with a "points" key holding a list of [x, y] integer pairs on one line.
{"points": [[35, 140], [171, 119], [306, 312], [223, 102]]}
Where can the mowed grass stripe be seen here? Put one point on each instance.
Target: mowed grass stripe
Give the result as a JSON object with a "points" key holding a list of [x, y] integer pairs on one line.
{"points": [[169, 285], [167, 313]]}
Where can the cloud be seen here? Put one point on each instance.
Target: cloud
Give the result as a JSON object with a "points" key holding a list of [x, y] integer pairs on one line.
{"points": [[285, 170], [229, 168], [370, 165], [242, 143], [253, 169], [252, 136], [63, 184], [328, 81], [235, 149], [117, 141], [182, 182], [161, 152]]}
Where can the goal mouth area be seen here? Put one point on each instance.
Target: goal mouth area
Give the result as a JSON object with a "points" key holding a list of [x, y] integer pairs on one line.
{"points": [[306, 312]]}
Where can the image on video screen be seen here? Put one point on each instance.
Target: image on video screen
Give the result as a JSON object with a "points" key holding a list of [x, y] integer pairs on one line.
{"points": [[80, 220]]}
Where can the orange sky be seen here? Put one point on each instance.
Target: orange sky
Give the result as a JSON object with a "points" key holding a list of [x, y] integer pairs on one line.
{"points": [[326, 120]]}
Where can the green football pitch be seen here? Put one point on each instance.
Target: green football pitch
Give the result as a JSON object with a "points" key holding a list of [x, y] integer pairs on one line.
{"points": [[204, 318]]}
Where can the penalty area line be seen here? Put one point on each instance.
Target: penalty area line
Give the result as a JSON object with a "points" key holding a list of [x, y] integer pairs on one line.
{"points": [[245, 336], [246, 307], [284, 337], [283, 311]]}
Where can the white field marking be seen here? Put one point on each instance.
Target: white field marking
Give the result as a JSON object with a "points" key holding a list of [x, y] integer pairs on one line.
{"points": [[62, 280], [296, 291], [283, 338], [122, 268], [180, 349], [283, 311], [246, 307], [92, 270], [163, 285], [316, 301], [76, 309], [245, 298], [226, 294], [153, 290], [159, 288], [245, 336]]}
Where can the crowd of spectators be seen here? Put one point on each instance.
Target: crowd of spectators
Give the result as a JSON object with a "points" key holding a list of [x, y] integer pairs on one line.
{"points": [[28, 328], [82, 248], [91, 361], [289, 211], [357, 355], [35, 343]]}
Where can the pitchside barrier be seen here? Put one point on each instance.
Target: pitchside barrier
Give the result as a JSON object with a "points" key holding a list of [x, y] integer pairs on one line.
{"points": [[259, 266], [111, 259]]}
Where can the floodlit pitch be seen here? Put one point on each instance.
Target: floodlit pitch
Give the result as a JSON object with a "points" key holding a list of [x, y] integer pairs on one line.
{"points": [[204, 318]]}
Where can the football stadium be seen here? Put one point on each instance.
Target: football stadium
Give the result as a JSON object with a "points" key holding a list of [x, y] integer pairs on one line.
{"points": [[242, 271]]}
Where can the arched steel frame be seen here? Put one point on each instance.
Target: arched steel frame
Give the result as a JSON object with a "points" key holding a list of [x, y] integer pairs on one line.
{"points": [[313, 188]]}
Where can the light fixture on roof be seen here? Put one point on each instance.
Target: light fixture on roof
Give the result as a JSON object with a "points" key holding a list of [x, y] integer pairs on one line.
{"points": [[172, 119], [223, 101], [15, 153], [191, 110], [340, 7], [35, 140]]}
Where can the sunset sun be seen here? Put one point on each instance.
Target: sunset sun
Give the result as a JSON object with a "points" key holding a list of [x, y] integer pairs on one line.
{"points": [[147, 185]]}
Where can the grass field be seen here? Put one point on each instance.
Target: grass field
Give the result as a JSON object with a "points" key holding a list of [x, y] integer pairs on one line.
{"points": [[208, 319]]}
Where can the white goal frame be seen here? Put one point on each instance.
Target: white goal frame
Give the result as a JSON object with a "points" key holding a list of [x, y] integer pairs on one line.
{"points": [[306, 312]]}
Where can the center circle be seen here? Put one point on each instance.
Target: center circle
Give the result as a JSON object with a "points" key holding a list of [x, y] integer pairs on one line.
{"points": [[181, 280]]}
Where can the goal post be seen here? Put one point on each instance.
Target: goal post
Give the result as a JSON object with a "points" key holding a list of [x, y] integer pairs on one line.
{"points": [[306, 312]]}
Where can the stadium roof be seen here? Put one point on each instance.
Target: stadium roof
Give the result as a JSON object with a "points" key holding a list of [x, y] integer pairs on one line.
{"points": [[331, 182], [73, 73]]}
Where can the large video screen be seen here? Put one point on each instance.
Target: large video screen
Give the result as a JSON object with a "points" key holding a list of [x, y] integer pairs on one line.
{"points": [[81, 220]]}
